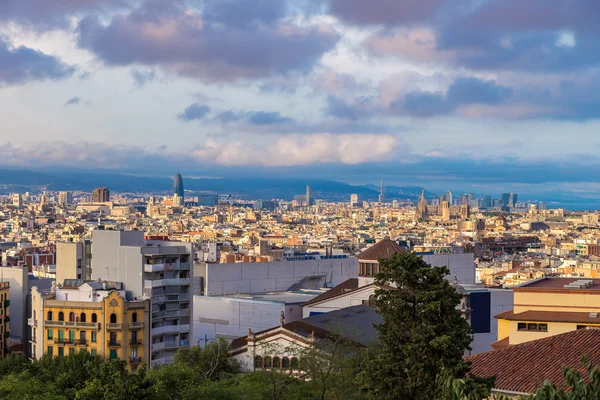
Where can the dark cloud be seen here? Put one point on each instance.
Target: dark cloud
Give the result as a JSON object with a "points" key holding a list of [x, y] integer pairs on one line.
{"points": [[167, 35], [238, 13], [141, 78], [194, 112], [268, 118], [340, 108], [384, 12], [462, 92], [47, 14], [230, 116], [22, 64], [72, 101]]}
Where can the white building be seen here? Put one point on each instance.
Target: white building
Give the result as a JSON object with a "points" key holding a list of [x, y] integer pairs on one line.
{"points": [[153, 269]]}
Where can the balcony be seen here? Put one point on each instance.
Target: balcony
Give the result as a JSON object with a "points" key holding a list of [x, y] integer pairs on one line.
{"points": [[135, 360], [136, 325], [167, 282], [170, 329], [63, 341], [135, 342], [93, 325], [113, 343], [114, 327], [32, 322], [81, 342], [167, 267]]}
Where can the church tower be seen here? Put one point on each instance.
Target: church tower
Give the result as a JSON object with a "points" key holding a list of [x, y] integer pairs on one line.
{"points": [[422, 207]]}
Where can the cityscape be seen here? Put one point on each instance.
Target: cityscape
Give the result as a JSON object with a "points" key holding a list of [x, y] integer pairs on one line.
{"points": [[299, 200]]}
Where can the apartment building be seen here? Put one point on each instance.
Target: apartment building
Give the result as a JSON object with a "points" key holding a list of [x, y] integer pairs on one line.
{"points": [[547, 307], [4, 318], [160, 271], [97, 317]]}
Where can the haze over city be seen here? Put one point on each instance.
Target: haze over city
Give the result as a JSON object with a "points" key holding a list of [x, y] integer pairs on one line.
{"points": [[474, 96]]}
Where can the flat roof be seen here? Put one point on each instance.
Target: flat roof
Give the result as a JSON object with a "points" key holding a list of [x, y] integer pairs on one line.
{"points": [[560, 284], [276, 297]]}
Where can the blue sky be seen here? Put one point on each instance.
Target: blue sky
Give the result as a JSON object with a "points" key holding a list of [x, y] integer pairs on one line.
{"points": [[473, 94]]}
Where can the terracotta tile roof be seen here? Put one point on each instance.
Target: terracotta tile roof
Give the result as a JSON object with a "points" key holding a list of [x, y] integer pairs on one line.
{"points": [[385, 248], [500, 344], [523, 367], [342, 288], [550, 316]]}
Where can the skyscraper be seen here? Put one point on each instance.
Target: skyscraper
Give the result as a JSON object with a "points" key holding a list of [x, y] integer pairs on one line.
{"points": [[65, 198], [449, 197], [381, 191], [100, 195], [487, 201], [178, 186], [353, 200], [309, 197]]}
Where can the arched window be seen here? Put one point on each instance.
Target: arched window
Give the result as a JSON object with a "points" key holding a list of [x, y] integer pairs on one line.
{"points": [[72, 316], [49, 316], [61, 316], [82, 317], [276, 362], [134, 317], [34, 315], [94, 317], [258, 362], [113, 318], [285, 363], [294, 363], [267, 363], [372, 300]]}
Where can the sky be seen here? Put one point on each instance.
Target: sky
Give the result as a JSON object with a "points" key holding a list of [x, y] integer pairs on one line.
{"points": [[478, 95]]}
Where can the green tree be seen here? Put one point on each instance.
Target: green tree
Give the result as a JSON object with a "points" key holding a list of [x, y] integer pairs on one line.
{"points": [[422, 333], [211, 362]]}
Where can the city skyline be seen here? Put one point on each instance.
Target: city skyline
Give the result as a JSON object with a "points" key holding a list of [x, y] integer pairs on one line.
{"points": [[335, 89]]}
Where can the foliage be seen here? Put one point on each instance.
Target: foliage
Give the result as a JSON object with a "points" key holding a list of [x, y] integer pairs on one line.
{"points": [[422, 335]]}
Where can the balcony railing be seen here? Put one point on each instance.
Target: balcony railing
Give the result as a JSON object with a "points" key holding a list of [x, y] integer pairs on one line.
{"points": [[59, 324], [135, 360], [135, 342], [63, 341], [81, 342], [113, 343], [113, 327], [167, 282], [167, 267], [136, 325]]}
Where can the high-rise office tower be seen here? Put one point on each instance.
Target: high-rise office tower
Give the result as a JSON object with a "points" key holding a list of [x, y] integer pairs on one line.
{"points": [[487, 201], [353, 200], [17, 200], [309, 197], [178, 186], [65, 198], [505, 199], [449, 197], [100, 195], [381, 192]]}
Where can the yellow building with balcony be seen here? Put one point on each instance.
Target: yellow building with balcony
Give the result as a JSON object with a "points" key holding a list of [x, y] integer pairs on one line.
{"points": [[90, 316], [549, 306], [4, 318]]}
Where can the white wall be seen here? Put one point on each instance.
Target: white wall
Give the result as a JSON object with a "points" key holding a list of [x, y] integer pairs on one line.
{"points": [[500, 300], [230, 318], [234, 278], [351, 299]]}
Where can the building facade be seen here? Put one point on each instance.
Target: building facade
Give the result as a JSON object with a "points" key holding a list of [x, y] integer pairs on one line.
{"points": [[4, 318], [94, 316], [100, 195]]}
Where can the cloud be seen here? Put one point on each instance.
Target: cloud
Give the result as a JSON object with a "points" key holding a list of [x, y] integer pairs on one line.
{"points": [[278, 151], [463, 91], [72, 101], [188, 43], [236, 13], [194, 112], [268, 118], [141, 78], [21, 65], [357, 109], [384, 12]]}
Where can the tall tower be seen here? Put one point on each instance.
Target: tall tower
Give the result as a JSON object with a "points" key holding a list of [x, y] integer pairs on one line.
{"points": [[309, 197], [100, 195], [422, 207], [178, 186], [445, 207], [381, 197]]}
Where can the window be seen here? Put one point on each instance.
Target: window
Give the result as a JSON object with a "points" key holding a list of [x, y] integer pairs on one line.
{"points": [[49, 350], [72, 316], [134, 353], [276, 362], [94, 317], [72, 336], [258, 361], [267, 363], [521, 326], [531, 327], [72, 351], [49, 316], [94, 337], [113, 318], [294, 363], [61, 316], [61, 351], [285, 363], [50, 333], [113, 355], [543, 327], [134, 337], [134, 317], [61, 335], [82, 317], [372, 300], [113, 337], [94, 352], [82, 336]]}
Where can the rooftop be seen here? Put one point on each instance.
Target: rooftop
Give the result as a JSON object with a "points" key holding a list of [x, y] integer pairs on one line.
{"points": [[523, 367], [561, 284], [385, 248], [551, 316]]}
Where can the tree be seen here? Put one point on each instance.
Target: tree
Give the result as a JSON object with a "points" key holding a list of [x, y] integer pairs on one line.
{"points": [[211, 362], [422, 334]]}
